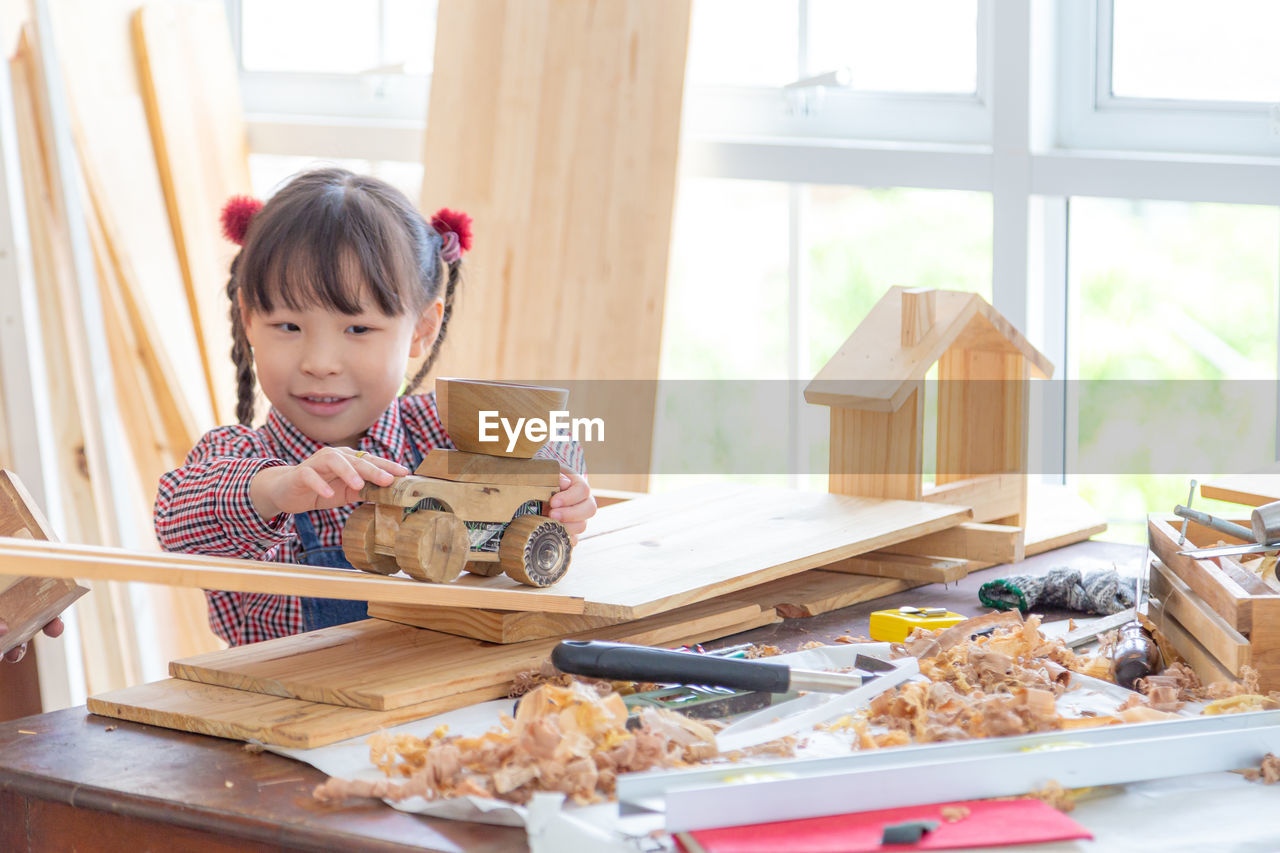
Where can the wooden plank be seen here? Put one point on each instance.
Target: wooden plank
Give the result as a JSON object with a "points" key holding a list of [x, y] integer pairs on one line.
{"points": [[991, 496], [877, 454], [1247, 489], [243, 715], [1264, 643], [1225, 643], [184, 61], [492, 626], [1056, 517], [192, 570], [464, 467], [997, 543], [884, 564], [1208, 668], [562, 143], [817, 592], [381, 665], [113, 138]]}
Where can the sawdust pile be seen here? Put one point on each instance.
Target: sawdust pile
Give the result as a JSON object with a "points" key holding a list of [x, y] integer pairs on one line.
{"points": [[567, 739], [1268, 773]]}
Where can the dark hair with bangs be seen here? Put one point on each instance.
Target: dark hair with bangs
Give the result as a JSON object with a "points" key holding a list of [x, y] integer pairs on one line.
{"points": [[329, 239]]}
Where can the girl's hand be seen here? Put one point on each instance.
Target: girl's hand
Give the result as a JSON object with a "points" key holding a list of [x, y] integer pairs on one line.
{"points": [[331, 477], [574, 503], [15, 654]]}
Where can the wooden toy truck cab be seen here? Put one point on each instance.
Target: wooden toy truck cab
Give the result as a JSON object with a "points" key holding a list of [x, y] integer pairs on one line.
{"points": [[481, 507]]}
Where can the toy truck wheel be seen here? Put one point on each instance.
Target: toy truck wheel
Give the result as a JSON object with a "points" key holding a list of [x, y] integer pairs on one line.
{"points": [[358, 536], [432, 546], [534, 550], [484, 569]]}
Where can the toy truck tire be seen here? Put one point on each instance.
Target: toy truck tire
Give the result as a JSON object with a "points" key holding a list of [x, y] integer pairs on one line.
{"points": [[359, 539], [432, 546], [535, 550], [484, 568]]}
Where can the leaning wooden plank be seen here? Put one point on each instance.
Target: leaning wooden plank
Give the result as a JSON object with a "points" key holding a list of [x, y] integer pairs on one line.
{"points": [[492, 626], [41, 559], [379, 665], [883, 564], [185, 57], [1247, 489], [991, 496], [999, 543], [813, 593], [1225, 643]]}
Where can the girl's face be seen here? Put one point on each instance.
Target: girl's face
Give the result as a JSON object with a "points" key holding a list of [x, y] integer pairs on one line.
{"points": [[333, 375]]}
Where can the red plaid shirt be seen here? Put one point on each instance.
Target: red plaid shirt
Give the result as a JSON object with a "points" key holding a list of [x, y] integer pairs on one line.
{"points": [[204, 507]]}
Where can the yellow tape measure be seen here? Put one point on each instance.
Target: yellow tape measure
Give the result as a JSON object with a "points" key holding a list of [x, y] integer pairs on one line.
{"points": [[893, 626]]}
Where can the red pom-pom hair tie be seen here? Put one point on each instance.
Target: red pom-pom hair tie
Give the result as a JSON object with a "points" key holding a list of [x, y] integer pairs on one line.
{"points": [[455, 227], [237, 213]]}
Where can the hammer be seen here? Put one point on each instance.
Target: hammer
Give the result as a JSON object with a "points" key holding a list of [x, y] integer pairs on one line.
{"points": [[1263, 534]]}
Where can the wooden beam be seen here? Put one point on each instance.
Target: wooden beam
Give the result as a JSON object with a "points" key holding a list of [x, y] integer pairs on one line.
{"points": [[885, 564], [919, 313], [1224, 642], [991, 496], [997, 543]]}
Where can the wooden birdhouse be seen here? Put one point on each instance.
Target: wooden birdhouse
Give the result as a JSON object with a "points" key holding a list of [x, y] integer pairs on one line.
{"points": [[875, 387]]}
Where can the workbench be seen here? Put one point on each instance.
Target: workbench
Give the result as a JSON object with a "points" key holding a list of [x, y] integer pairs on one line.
{"points": [[71, 780]]}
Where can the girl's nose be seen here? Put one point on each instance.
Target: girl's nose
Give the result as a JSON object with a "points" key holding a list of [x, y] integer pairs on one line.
{"points": [[321, 359]]}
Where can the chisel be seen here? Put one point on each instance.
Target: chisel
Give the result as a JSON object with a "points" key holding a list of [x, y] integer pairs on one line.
{"points": [[623, 662]]}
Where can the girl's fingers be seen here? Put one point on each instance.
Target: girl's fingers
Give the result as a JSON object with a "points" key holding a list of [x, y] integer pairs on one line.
{"points": [[55, 627], [381, 463], [312, 480], [575, 513], [375, 473], [16, 653]]}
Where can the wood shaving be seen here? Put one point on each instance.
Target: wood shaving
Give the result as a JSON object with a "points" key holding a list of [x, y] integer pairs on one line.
{"points": [[526, 681], [812, 644], [761, 651], [567, 739], [954, 814], [1268, 772], [1242, 703], [845, 638]]}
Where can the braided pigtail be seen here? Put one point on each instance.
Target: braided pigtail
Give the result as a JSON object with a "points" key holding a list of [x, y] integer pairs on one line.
{"points": [[450, 289], [241, 353]]}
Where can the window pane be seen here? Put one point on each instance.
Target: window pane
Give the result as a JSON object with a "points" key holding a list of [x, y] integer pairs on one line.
{"points": [[410, 34], [903, 46], [330, 36], [1189, 49], [1184, 296], [743, 42]]}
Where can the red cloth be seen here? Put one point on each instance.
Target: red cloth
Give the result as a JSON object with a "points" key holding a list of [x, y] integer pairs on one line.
{"points": [[990, 823]]}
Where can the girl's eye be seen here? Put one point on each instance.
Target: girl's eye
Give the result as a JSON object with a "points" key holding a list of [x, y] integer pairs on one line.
{"points": [[358, 330], [288, 327]]}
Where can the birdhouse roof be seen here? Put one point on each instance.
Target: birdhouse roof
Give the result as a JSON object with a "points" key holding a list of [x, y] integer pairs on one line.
{"points": [[873, 370]]}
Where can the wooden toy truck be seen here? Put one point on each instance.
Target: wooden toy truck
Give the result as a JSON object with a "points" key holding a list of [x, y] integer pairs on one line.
{"points": [[481, 507]]}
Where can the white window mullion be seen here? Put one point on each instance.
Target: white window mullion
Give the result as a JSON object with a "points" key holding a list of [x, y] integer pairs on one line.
{"points": [[1011, 160]]}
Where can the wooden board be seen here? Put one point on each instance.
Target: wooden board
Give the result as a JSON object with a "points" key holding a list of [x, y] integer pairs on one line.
{"points": [[1208, 668], [996, 543], [884, 564], [813, 593], [1247, 489], [637, 558], [191, 86], [561, 139], [492, 626], [43, 559], [113, 138], [243, 715], [477, 468], [382, 665], [1177, 599]]}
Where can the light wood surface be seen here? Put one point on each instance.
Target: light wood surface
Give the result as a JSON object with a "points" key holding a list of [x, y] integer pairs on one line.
{"points": [[40, 559], [461, 402], [873, 371], [1247, 489], [556, 124], [379, 665], [990, 497], [465, 467], [1219, 590], [492, 626], [191, 88], [884, 564], [817, 592], [1208, 668], [469, 501], [1178, 600], [919, 313], [878, 454]]}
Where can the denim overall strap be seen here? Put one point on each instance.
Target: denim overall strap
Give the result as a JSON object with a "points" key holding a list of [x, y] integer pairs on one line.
{"points": [[326, 612]]}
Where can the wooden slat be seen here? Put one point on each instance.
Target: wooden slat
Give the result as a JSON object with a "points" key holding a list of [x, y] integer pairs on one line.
{"points": [[1222, 593], [1208, 668], [185, 57], [877, 454], [191, 570], [884, 564], [997, 543], [562, 142], [817, 592], [381, 665], [1264, 643], [1225, 643], [243, 715], [991, 497], [1247, 489], [492, 626]]}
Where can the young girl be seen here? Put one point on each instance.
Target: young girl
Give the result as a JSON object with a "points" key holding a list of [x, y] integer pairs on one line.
{"points": [[339, 283]]}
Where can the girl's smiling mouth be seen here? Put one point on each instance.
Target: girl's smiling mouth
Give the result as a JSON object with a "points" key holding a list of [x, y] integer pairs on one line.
{"points": [[318, 404]]}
